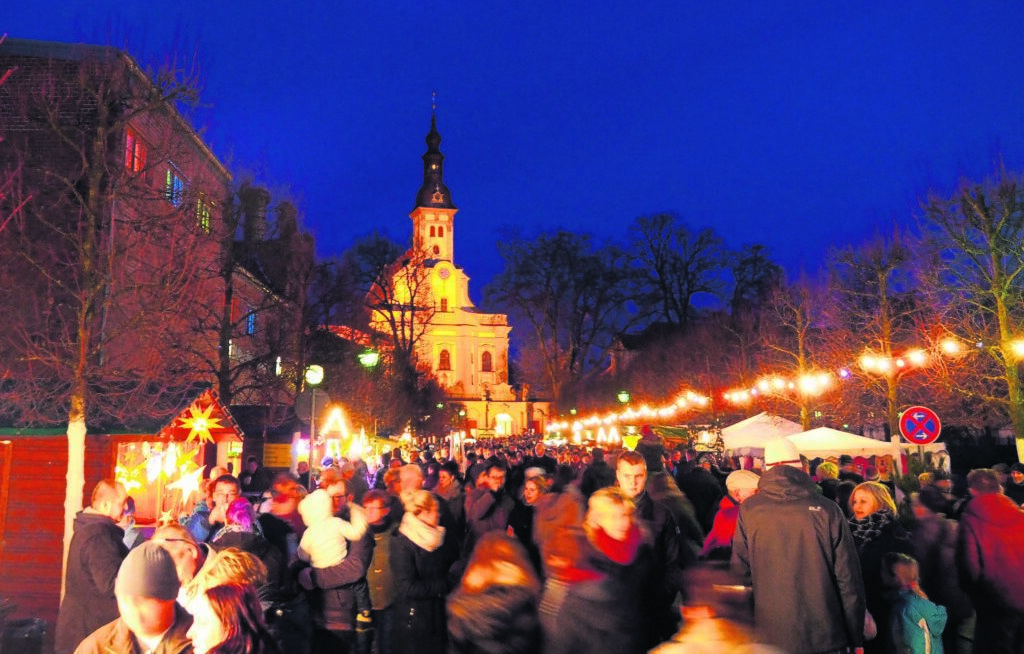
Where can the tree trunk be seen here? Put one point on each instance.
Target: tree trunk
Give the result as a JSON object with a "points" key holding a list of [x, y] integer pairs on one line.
{"points": [[75, 478]]}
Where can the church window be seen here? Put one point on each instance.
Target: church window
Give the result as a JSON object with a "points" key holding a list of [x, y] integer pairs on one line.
{"points": [[444, 305], [486, 364], [432, 231], [437, 250], [440, 231], [444, 361]]}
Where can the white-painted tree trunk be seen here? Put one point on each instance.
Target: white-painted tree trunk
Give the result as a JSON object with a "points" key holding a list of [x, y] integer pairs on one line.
{"points": [[75, 485]]}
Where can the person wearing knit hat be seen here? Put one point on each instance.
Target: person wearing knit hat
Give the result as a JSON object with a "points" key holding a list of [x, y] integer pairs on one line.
{"points": [[741, 485], [150, 619]]}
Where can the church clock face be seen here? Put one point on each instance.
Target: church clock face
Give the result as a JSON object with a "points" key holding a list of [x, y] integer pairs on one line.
{"points": [[444, 273]]}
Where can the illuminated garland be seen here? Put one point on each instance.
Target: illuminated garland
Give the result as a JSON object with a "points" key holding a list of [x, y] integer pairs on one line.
{"points": [[810, 384]]}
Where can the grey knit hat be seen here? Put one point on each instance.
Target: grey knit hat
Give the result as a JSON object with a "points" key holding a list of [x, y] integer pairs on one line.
{"points": [[148, 571]]}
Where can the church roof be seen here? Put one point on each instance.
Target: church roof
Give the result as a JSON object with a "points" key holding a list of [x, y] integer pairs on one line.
{"points": [[433, 193]]}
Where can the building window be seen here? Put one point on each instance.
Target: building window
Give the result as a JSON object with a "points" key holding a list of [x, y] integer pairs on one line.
{"points": [[432, 231], [440, 231], [134, 151], [277, 367], [444, 361], [203, 213], [485, 362], [250, 323], [437, 250], [444, 305], [174, 186]]}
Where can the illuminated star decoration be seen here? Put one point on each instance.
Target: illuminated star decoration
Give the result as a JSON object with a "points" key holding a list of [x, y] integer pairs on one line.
{"points": [[199, 423], [188, 483], [130, 478]]}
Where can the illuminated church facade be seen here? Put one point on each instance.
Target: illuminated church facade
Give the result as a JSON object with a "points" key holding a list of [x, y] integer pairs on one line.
{"points": [[464, 348]]}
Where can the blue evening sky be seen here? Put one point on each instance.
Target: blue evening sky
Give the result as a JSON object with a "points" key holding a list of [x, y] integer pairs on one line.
{"points": [[798, 125]]}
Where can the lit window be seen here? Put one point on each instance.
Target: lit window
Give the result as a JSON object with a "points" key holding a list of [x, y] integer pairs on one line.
{"points": [[203, 213], [444, 305], [444, 361], [485, 362], [277, 367], [134, 151], [174, 186], [250, 323]]}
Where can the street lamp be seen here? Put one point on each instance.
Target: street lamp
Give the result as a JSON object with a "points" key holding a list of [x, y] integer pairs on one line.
{"points": [[623, 397], [369, 359], [313, 376]]}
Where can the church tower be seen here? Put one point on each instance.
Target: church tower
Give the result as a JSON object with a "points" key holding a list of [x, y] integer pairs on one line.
{"points": [[433, 215]]}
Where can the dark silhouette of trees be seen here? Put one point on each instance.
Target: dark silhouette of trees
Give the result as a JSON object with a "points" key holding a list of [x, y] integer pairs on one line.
{"points": [[572, 298], [673, 265]]}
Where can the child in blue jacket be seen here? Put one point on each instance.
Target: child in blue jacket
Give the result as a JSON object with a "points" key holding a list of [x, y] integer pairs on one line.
{"points": [[916, 622]]}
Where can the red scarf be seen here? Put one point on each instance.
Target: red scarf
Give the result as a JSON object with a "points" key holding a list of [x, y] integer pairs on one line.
{"points": [[622, 552]]}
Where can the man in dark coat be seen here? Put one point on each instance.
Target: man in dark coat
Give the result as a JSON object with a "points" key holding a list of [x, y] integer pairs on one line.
{"points": [[94, 557], [796, 548], [541, 460], [990, 554], [704, 492], [333, 597], [597, 475], [666, 574]]}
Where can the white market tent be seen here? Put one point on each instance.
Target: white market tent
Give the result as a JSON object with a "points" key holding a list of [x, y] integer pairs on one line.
{"points": [[747, 437], [825, 442]]}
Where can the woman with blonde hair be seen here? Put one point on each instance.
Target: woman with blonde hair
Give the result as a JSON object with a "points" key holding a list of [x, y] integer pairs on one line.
{"points": [[419, 568], [228, 566], [876, 531], [494, 608], [601, 611]]}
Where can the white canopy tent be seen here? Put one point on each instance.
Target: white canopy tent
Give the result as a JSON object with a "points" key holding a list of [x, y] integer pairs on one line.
{"points": [[825, 442], [747, 437]]}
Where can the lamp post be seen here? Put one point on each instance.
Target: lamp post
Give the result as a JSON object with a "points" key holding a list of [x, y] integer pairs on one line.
{"points": [[369, 360], [314, 375], [623, 397]]}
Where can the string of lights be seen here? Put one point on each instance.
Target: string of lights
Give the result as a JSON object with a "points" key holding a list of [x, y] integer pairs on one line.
{"points": [[812, 384]]}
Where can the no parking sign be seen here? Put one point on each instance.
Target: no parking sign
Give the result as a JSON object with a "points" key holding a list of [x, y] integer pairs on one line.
{"points": [[920, 425]]}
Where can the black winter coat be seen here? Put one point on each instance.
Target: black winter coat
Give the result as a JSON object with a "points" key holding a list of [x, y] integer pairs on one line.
{"points": [[96, 552], [893, 538], [333, 601], [499, 620], [421, 583], [797, 550]]}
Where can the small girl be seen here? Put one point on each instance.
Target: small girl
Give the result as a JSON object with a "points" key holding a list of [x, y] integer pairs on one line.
{"points": [[916, 622]]}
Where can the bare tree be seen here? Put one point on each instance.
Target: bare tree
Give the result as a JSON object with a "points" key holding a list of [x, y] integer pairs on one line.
{"points": [[876, 306], [107, 254], [791, 335], [571, 297], [977, 282], [675, 264]]}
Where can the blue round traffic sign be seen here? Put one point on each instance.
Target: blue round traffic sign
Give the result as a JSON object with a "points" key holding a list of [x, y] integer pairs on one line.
{"points": [[920, 425]]}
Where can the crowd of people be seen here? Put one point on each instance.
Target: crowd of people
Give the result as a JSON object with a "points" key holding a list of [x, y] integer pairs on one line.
{"points": [[512, 547]]}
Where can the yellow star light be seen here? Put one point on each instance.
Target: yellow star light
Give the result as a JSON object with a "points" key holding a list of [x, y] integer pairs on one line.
{"points": [[199, 423], [188, 483]]}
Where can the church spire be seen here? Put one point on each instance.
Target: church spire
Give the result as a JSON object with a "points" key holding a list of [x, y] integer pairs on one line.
{"points": [[434, 193]]}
